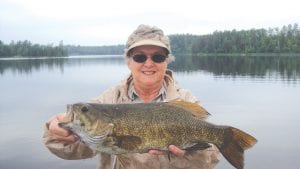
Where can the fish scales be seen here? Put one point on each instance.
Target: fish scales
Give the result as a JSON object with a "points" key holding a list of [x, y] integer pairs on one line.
{"points": [[136, 121]]}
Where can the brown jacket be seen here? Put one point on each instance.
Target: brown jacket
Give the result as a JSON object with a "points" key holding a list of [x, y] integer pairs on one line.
{"points": [[204, 159]]}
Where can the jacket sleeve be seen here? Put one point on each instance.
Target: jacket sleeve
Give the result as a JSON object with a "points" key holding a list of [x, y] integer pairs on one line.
{"points": [[65, 150], [201, 159]]}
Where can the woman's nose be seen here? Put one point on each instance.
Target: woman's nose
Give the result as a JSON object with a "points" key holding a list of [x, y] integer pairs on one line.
{"points": [[149, 61]]}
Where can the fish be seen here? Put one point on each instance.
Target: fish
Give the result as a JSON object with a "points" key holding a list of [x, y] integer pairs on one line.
{"points": [[140, 127]]}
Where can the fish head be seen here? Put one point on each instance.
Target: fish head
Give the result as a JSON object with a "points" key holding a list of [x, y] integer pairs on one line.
{"points": [[85, 120]]}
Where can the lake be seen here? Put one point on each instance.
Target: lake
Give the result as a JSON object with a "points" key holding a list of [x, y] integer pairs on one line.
{"points": [[260, 95]]}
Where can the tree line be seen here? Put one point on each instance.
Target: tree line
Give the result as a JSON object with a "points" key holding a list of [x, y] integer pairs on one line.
{"points": [[94, 50], [27, 49], [272, 40]]}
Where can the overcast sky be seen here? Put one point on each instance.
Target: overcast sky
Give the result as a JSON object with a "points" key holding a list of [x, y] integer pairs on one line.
{"points": [[109, 22]]}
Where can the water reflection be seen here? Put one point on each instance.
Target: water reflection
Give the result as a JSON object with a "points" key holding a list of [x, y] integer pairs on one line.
{"points": [[37, 90], [28, 65], [280, 68], [284, 68]]}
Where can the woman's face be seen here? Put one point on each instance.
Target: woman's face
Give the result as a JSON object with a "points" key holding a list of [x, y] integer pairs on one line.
{"points": [[148, 73]]}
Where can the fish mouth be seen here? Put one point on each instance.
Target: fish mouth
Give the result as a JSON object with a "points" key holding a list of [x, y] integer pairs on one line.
{"points": [[69, 108], [69, 116], [70, 113], [73, 129], [64, 125]]}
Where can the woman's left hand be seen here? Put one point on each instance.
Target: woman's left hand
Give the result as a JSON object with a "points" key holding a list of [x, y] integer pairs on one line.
{"points": [[173, 149]]}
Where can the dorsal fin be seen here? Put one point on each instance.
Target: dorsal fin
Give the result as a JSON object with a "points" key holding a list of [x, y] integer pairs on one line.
{"points": [[194, 108]]}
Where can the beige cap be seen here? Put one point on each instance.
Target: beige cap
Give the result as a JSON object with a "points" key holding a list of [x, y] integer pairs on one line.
{"points": [[148, 35]]}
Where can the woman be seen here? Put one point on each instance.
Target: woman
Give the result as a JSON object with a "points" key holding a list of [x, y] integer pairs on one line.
{"points": [[147, 54]]}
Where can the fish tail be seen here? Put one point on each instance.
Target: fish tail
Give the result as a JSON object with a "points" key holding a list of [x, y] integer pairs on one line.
{"points": [[235, 143]]}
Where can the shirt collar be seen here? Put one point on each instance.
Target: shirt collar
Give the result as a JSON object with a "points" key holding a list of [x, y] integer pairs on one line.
{"points": [[134, 97]]}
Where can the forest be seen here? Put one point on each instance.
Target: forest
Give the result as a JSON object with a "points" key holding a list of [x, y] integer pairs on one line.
{"points": [[94, 50], [27, 49], [271, 40]]}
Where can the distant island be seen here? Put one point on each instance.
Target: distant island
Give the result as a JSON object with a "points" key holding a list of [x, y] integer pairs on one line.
{"points": [[94, 50], [272, 40]]}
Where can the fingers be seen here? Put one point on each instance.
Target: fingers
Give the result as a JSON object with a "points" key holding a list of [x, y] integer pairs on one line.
{"points": [[62, 117], [55, 129], [176, 151], [58, 132], [173, 149], [156, 152]]}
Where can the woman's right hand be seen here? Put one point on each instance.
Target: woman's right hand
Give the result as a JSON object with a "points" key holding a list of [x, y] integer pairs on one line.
{"points": [[60, 133]]}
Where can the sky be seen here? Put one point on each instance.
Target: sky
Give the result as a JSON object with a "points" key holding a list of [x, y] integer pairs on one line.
{"points": [[110, 22]]}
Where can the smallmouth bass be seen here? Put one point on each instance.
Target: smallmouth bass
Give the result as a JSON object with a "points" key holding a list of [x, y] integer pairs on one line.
{"points": [[137, 128]]}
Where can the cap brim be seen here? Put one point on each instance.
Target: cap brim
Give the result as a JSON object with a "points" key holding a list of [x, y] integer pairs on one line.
{"points": [[148, 42]]}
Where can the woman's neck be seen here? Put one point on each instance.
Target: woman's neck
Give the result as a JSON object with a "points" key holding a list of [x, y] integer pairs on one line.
{"points": [[146, 93]]}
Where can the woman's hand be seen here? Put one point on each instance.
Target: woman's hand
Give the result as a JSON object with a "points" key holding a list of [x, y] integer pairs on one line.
{"points": [[173, 149], [60, 133]]}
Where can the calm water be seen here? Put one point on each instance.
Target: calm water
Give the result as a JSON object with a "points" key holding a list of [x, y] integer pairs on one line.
{"points": [[257, 94]]}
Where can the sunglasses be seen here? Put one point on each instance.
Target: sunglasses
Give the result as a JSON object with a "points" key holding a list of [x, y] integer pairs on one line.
{"points": [[141, 58]]}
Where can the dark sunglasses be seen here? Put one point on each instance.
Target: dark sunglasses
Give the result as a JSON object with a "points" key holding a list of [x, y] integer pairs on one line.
{"points": [[141, 58]]}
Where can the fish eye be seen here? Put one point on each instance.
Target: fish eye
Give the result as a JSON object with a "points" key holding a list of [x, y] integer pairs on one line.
{"points": [[84, 109]]}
